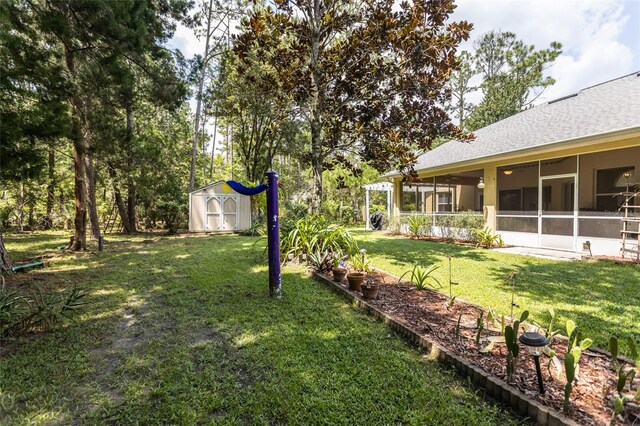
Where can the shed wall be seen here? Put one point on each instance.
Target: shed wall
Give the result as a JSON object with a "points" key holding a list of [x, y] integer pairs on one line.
{"points": [[197, 208]]}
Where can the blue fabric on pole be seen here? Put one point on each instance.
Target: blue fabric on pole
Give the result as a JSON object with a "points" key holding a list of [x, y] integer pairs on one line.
{"points": [[241, 189]]}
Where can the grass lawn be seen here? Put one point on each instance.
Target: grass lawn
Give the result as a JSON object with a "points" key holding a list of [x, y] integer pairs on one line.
{"points": [[603, 298], [181, 332]]}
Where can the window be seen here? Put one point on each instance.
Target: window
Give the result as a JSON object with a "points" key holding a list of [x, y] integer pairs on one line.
{"points": [[444, 202], [610, 183]]}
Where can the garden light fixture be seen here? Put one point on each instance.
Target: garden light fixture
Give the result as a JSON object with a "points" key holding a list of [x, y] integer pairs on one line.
{"points": [[481, 184], [535, 344]]}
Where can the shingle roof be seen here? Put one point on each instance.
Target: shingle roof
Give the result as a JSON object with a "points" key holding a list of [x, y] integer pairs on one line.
{"points": [[603, 108]]}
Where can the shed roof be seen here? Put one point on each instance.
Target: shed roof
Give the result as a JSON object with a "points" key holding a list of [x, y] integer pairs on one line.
{"points": [[600, 109], [206, 186]]}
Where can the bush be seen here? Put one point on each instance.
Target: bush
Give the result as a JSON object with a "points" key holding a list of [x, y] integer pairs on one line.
{"points": [[468, 224], [313, 235], [20, 314]]}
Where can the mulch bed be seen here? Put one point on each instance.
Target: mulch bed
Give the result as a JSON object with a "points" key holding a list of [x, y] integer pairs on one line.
{"points": [[426, 312]]}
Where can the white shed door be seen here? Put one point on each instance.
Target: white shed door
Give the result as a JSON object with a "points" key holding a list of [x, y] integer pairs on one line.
{"points": [[222, 213]]}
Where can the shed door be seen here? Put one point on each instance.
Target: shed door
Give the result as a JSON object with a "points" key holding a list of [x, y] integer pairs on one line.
{"points": [[222, 213]]}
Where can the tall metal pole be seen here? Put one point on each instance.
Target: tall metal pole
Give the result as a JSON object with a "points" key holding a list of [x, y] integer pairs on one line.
{"points": [[273, 235]]}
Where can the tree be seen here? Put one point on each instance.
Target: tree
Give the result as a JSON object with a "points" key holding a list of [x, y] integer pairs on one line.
{"points": [[369, 79], [216, 17], [88, 35], [246, 95], [460, 85], [513, 76]]}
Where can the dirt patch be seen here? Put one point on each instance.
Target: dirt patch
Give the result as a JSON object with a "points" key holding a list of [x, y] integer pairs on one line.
{"points": [[428, 312]]}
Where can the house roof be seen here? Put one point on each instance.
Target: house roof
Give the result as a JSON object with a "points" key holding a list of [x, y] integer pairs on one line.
{"points": [[600, 109]]}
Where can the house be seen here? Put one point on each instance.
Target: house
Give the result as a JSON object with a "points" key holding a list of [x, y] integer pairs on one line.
{"points": [[552, 176], [218, 208]]}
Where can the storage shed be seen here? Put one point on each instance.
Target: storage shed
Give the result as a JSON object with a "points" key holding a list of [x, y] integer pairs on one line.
{"points": [[218, 208]]}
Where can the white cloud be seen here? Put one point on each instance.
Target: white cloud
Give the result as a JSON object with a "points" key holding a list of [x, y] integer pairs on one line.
{"points": [[186, 41], [589, 30]]}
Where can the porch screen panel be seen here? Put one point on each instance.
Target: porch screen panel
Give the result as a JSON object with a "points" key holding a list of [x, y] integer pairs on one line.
{"points": [[604, 177], [517, 224], [517, 209]]}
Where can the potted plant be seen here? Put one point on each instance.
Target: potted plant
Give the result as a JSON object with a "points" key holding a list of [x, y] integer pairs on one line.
{"points": [[339, 270], [370, 288], [360, 268]]}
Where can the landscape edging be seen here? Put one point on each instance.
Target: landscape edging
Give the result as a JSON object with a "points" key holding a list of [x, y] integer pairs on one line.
{"points": [[495, 387]]}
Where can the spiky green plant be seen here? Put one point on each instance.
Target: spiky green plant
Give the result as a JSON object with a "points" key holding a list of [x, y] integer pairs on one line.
{"points": [[415, 225], [423, 277]]}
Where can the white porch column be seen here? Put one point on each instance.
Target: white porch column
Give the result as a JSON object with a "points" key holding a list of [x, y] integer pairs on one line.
{"points": [[366, 210], [389, 200]]}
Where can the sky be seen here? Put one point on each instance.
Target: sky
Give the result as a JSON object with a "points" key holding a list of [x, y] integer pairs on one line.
{"points": [[600, 38]]}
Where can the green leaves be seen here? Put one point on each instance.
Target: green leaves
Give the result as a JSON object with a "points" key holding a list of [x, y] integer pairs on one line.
{"points": [[423, 277]]}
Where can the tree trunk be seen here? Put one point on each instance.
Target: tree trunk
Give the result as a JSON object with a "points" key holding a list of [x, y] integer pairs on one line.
{"points": [[78, 138], [91, 197], [194, 146], [131, 163], [5, 262], [317, 159], [213, 148], [20, 214], [122, 209], [48, 220]]}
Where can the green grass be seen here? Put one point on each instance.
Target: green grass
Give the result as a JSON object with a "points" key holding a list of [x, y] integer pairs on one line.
{"points": [[603, 298], [181, 332]]}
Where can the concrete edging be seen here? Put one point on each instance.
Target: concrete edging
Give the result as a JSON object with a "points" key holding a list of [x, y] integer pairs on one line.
{"points": [[494, 387]]}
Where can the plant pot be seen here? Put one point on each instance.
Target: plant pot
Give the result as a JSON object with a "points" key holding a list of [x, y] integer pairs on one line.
{"points": [[355, 280], [370, 291], [338, 274]]}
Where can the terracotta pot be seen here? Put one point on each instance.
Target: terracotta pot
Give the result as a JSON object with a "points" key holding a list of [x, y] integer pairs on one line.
{"points": [[370, 291], [338, 274], [355, 280]]}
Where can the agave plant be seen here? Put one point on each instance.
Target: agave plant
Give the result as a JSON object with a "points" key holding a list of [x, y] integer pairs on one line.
{"points": [[423, 277], [415, 225], [487, 239]]}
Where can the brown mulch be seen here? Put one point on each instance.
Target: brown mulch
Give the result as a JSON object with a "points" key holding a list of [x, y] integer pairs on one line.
{"points": [[427, 312]]}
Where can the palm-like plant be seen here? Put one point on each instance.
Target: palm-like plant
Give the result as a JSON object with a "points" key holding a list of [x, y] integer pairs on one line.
{"points": [[423, 277]]}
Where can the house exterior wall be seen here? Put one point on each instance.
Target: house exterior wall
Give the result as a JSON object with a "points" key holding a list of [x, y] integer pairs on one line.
{"points": [[198, 208], [622, 148]]}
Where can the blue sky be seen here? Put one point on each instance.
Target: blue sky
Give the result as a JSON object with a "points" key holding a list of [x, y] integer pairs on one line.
{"points": [[601, 38]]}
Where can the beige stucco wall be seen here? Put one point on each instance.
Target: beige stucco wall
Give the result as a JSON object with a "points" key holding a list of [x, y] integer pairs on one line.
{"points": [[197, 208], [590, 163]]}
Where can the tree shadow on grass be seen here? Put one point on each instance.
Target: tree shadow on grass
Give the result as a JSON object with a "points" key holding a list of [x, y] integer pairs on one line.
{"points": [[603, 298], [402, 251]]}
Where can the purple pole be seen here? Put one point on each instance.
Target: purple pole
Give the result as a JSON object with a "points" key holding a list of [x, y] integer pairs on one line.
{"points": [[273, 235]]}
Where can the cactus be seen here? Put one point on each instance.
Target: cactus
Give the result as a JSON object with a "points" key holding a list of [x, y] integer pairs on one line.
{"points": [[480, 324], [513, 348], [570, 372], [456, 330], [550, 332], [613, 348]]}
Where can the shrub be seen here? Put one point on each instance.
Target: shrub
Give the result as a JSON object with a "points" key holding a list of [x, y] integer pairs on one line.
{"points": [[37, 311], [415, 225], [468, 223], [423, 277], [487, 239], [315, 234]]}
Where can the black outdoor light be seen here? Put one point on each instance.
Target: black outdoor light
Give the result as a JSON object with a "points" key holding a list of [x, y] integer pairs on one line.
{"points": [[535, 344]]}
